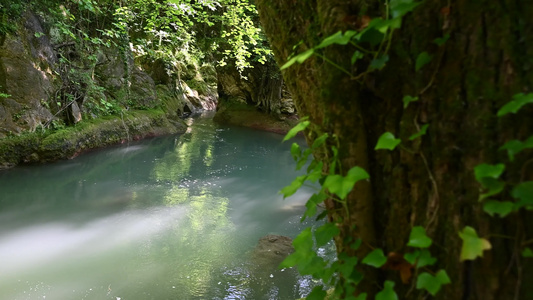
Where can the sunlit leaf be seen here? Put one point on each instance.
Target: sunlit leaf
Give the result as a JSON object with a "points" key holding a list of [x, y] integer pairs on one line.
{"points": [[502, 208], [293, 187], [294, 131], [325, 233], [422, 132], [514, 105], [473, 245], [418, 238], [343, 185], [527, 253], [300, 58], [431, 283], [388, 292], [296, 152], [408, 99], [387, 141], [422, 59], [375, 258]]}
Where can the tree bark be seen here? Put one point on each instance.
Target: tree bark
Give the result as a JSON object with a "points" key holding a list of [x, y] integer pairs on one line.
{"points": [[487, 59]]}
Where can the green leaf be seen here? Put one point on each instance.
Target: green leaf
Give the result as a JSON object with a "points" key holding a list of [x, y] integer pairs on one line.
{"points": [[317, 294], [361, 296], [296, 152], [300, 58], [375, 258], [347, 264], [325, 233], [494, 187], [371, 35], [486, 170], [401, 7], [293, 187], [412, 256], [388, 292], [343, 185], [523, 192], [408, 99], [513, 147], [431, 283], [320, 141], [356, 56], [387, 141], [379, 63], [422, 59], [502, 208], [473, 246], [312, 203], [518, 101], [337, 38], [425, 259], [422, 132], [441, 41], [418, 238], [294, 131], [527, 253]]}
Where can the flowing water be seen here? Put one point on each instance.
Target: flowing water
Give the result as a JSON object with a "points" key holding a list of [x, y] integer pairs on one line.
{"points": [[166, 218]]}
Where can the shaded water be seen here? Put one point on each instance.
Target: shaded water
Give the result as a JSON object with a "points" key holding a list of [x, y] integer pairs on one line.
{"points": [[166, 218]]}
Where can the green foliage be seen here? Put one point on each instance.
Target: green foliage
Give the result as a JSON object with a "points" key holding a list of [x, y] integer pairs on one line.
{"points": [[387, 141], [376, 258], [422, 59], [422, 132], [514, 105], [408, 99], [473, 245], [431, 283], [388, 292], [418, 238]]}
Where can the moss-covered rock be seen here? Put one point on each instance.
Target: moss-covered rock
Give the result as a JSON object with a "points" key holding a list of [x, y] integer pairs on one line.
{"points": [[71, 141]]}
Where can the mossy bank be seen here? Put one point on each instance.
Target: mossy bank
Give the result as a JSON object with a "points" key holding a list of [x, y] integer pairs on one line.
{"points": [[69, 142]]}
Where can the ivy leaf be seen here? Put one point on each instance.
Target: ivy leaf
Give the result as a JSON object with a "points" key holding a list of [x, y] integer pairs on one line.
{"points": [[356, 56], [512, 147], [387, 141], [418, 238], [388, 292], [371, 35], [379, 63], [473, 246], [425, 259], [337, 38], [343, 185], [294, 131], [527, 253], [400, 8], [293, 187], [502, 208], [408, 99], [518, 101], [296, 152], [325, 233], [441, 41], [361, 296], [486, 170], [317, 294], [300, 58], [422, 132], [431, 283], [319, 141], [312, 203], [412, 256], [375, 258], [523, 192], [422, 59]]}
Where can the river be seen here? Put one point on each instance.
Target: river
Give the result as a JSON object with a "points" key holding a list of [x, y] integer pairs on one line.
{"points": [[173, 217]]}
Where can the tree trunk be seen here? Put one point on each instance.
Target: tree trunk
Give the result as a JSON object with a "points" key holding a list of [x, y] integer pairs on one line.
{"points": [[430, 182]]}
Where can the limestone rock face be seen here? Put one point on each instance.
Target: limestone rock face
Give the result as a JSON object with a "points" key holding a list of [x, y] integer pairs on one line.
{"points": [[27, 80]]}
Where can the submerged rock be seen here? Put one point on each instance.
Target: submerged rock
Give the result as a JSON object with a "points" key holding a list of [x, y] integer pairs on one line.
{"points": [[271, 250]]}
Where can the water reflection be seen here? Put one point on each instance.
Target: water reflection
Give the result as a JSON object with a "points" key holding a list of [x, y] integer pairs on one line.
{"points": [[166, 218]]}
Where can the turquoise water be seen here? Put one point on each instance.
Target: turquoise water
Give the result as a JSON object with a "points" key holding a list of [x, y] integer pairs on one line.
{"points": [[172, 217]]}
